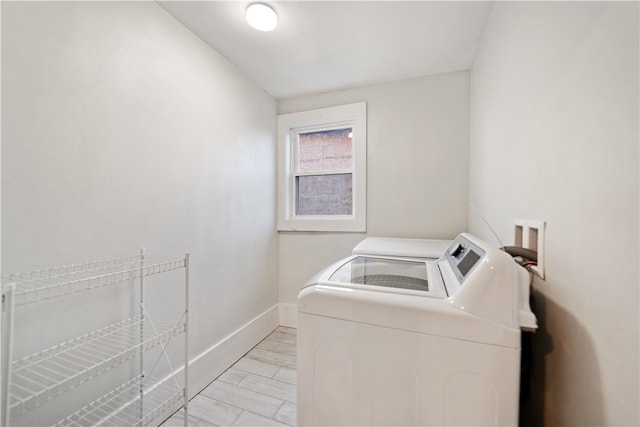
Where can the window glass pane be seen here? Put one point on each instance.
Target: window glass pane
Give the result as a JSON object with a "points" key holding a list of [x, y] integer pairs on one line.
{"points": [[328, 150], [324, 194]]}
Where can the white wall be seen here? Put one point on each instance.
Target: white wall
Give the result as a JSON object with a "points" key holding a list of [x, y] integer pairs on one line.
{"points": [[555, 137], [417, 169], [121, 130]]}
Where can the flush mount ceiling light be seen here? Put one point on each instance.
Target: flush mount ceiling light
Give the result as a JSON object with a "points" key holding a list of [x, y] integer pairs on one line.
{"points": [[262, 17]]}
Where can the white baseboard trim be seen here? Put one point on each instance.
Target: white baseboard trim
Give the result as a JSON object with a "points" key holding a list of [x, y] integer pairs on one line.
{"points": [[288, 315], [208, 365], [212, 362]]}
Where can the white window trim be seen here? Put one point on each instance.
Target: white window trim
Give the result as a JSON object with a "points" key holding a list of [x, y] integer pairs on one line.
{"points": [[354, 114]]}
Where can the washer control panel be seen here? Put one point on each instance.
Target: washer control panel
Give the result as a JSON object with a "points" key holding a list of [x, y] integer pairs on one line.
{"points": [[463, 256]]}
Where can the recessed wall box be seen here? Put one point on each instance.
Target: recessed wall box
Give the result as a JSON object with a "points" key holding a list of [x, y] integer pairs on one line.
{"points": [[529, 234]]}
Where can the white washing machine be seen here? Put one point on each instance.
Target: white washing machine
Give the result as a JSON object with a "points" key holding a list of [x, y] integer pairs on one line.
{"points": [[405, 341]]}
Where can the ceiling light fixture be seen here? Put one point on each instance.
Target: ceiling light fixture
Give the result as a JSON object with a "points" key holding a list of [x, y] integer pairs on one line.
{"points": [[261, 17]]}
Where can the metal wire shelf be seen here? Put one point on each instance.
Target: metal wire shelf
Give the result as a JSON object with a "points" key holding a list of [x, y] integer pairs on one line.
{"points": [[40, 285], [41, 376], [30, 381], [125, 406]]}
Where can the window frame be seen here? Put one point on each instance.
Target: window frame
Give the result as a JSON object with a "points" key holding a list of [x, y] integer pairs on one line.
{"points": [[353, 115]]}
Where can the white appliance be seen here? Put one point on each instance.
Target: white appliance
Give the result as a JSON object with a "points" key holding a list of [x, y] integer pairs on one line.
{"points": [[396, 340]]}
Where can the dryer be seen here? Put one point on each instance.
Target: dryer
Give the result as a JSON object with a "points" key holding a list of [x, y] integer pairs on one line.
{"points": [[406, 340]]}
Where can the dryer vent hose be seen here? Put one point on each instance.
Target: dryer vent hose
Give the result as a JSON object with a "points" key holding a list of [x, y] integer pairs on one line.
{"points": [[516, 251]]}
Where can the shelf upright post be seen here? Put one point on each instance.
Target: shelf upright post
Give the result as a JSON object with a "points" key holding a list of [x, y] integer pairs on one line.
{"points": [[186, 338], [142, 320], [7, 349]]}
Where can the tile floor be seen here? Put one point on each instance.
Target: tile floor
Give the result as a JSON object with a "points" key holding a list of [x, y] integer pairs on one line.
{"points": [[258, 390]]}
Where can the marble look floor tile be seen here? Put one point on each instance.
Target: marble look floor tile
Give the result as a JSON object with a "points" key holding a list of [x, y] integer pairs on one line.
{"points": [[283, 348], [287, 375], [233, 375], [257, 367], [282, 336], [286, 330], [270, 387], [212, 412], [249, 419], [272, 357], [243, 398], [286, 414], [268, 345]]}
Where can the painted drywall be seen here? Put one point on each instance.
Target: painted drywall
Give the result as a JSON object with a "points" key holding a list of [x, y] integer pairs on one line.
{"points": [[417, 170], [121, 129], [554, 120]]}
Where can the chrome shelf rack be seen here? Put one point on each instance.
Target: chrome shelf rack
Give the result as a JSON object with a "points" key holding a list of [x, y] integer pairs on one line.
{"points": [[32, 380]]}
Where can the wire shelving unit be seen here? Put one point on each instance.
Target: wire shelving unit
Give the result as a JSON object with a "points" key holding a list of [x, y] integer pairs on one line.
{"points": [[35, 379]]}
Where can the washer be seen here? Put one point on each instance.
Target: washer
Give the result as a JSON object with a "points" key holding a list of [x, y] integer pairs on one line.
{"points": [[403, 340]]}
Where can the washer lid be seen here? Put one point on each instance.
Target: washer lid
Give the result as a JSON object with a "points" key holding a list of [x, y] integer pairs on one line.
{"points": [[401, 247], [382, 273]]}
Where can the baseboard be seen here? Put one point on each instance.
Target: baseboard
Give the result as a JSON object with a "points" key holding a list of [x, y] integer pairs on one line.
{"points": [[208, 365], [212, 362], [288, 315]]}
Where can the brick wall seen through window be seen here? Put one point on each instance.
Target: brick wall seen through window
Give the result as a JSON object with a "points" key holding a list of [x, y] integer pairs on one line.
{"points": [[324, 173]]}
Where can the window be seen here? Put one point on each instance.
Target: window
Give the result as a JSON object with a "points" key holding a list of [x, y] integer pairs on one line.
{"points": [[322, 169]]}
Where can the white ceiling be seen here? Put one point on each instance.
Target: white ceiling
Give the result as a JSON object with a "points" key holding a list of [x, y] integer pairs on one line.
{"points": [[328, 45]]}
